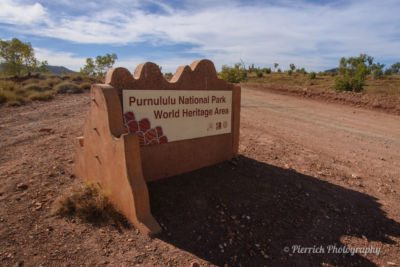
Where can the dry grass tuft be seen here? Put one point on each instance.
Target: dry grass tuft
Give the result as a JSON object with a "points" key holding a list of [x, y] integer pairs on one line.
{"points": [[34, 87], [41, 96], [52, 81], [89, 203], [68, 88], [85, 86]]}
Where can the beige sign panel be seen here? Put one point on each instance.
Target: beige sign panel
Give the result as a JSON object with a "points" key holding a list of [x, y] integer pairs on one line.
{"points": [[161, 116]]}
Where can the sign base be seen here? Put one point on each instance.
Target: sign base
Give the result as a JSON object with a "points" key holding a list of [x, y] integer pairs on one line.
{"points": [[121, 162], [109, 156]]}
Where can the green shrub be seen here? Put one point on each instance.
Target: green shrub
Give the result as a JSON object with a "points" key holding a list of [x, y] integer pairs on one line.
{"points": [[266, 70], [234, 74], [312, 75], [343, 84], [85, 86], [349, 84], [68, 88], [290, 72], [259, 73]]}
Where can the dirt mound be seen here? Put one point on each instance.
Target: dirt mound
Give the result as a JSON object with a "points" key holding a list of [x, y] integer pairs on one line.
{"points": [[386, 103]]}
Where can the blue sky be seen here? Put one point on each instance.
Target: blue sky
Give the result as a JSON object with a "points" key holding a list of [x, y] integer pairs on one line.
{"points": [[310, 34]]}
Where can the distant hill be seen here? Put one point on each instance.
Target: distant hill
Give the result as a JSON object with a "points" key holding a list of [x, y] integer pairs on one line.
{"points": [[334, 71], [58, 70]]}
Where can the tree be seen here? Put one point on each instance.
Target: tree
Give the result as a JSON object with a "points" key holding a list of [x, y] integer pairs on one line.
{"points": [[18, 58], [301, 70], [276, 66], [99, 66], [352, 73], [252, 68], [89, 68], [388, 72], [377, 70], [292, 67], [395, 68]]}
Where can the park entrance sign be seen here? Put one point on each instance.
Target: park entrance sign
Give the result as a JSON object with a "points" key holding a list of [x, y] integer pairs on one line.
{"points": [[142, 127], [177, 114]]}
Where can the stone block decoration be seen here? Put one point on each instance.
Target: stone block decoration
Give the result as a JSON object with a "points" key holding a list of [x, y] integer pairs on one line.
{"points": [[141, 128]]}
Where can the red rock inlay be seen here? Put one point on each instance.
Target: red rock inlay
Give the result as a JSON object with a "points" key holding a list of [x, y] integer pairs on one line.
{"points": [[146, 134]]}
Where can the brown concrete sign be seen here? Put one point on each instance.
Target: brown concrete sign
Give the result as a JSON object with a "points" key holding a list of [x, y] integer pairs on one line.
{"points": [[142, 127]]}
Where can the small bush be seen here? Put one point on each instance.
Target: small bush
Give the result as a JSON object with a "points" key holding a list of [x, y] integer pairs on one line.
{"points": [[267, 70], [312, 75], [343, 84], [290, 72], [347, 84], [260, 74], [68, 88], [34, 87], [88, 203], [234, 74]]}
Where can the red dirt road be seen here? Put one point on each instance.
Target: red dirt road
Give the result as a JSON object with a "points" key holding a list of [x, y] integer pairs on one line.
{"points": [[311, 174], [330, 138]]}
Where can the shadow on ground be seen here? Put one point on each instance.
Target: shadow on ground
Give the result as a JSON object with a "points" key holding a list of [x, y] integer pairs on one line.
{"points": [[247, 213]]}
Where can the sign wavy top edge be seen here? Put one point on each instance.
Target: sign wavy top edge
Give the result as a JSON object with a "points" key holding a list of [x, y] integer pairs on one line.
{"points": [[200, 75]]}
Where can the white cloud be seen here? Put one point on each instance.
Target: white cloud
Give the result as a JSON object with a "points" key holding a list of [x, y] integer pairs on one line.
{"points": [[57, 58], [309, 35], [16, 13]]}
